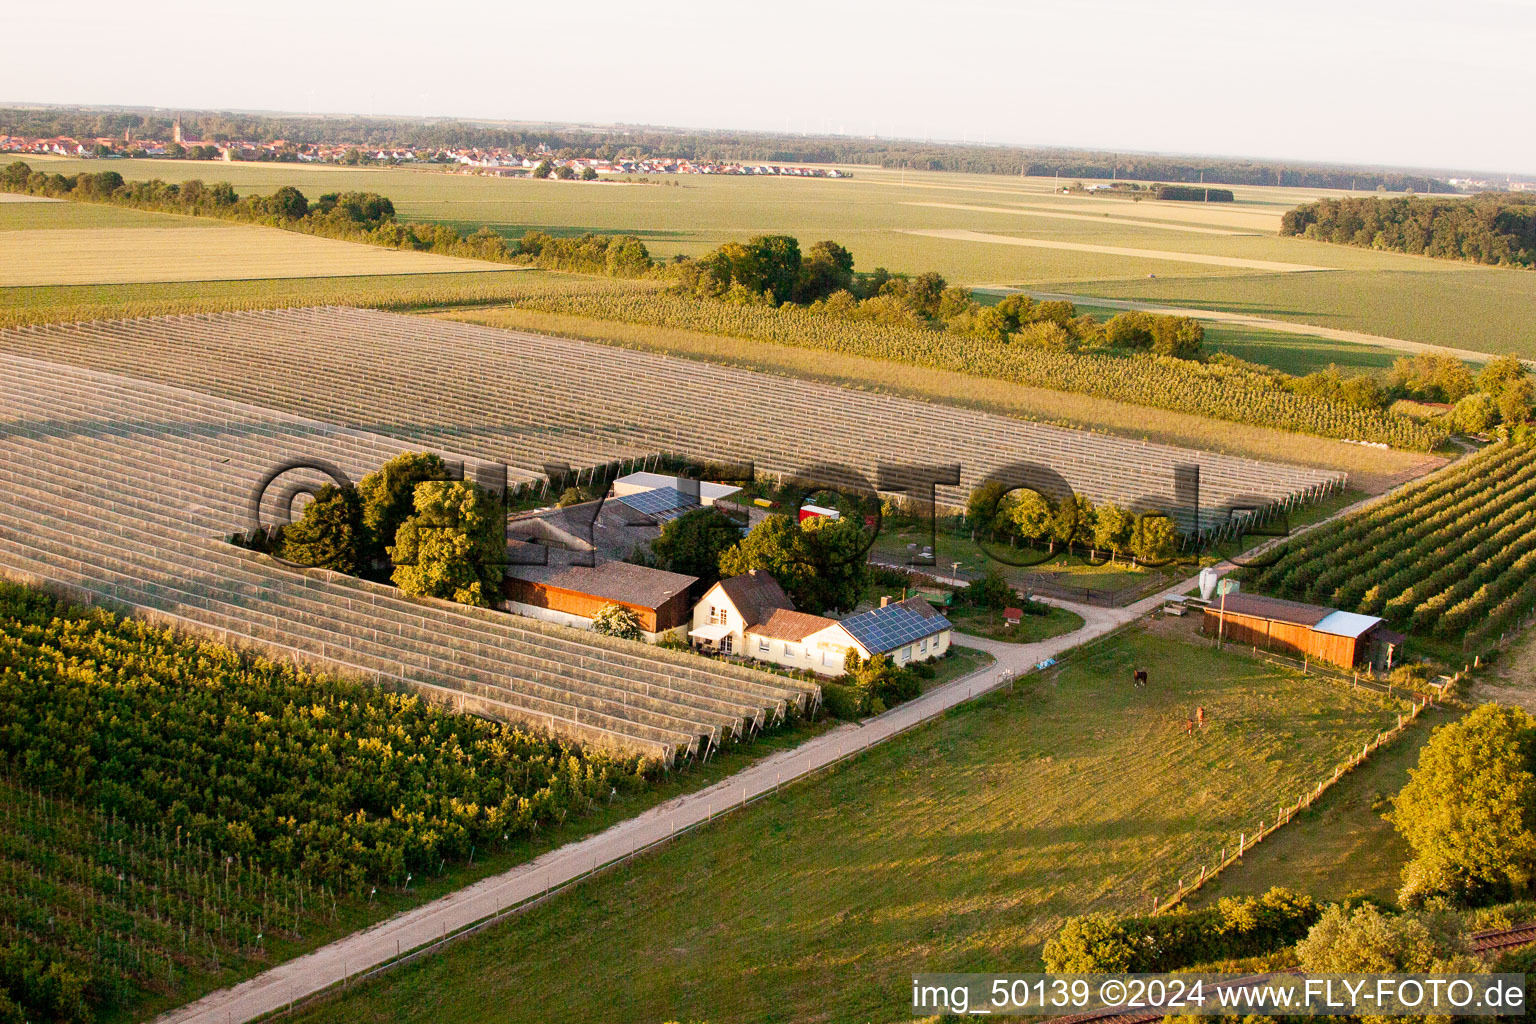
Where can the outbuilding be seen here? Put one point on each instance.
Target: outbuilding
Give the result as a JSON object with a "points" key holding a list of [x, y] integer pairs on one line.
{"points": [[571, 594], [1345, 640]]}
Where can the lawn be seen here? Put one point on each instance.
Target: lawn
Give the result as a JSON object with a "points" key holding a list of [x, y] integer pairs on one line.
{"points": [[959, 846], [1459, 305], [1341, 844], [989, 623]]}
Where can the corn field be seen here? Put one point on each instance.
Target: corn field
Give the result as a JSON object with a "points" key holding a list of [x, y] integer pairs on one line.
{"points": [[1224, 392], [1454, 556]]}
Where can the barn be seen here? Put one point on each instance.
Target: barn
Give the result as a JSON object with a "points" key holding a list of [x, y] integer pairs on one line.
{"points": [[571, 594], [1345, 640]]}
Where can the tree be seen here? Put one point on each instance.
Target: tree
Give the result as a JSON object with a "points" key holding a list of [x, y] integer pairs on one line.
{"points": [[388, 496], [1033, 515], [991, 591], [1112, 526], [1363, 940], [287, 202], [1179, 336], [588, 173], [981, 507], [564, 172], [1515, 401], [453, 546], [1469, 808], [543, 169], [818, 563], [1153, 539], [1474, 414], [1499, 373], [1129, 330], [827, 268], [693, 543], [616, 620], [330, 533]]}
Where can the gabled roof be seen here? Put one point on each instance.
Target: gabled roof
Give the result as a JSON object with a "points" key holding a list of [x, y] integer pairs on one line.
{"points": [[786, 624], [882, 630], [1347, 624], [620, 582], [756, 595], [1273, 608]]}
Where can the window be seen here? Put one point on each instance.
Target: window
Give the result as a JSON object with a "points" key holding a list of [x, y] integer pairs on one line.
{"points": [[791, 651], [922, 645], [719, 616], [906, 653], [762, 644], [831, 659]]}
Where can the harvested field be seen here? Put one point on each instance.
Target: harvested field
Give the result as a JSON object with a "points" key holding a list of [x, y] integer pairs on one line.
{"points": [[962, 235], [123, 491], [223, 252], [526, 399]]}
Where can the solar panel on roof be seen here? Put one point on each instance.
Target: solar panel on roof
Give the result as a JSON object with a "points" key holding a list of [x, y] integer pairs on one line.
{"points": [[662, 503], [884, 629]]}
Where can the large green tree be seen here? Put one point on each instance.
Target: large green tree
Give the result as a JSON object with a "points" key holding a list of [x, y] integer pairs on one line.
{"points": [[692, 544], [453, 546], [329, 534], [819, 563], [388, 496], [1469, 809]]}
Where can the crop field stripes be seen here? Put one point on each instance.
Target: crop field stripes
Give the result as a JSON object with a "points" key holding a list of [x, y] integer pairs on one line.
{"points": [[1465, 565], [527, 400], [122, 491]]}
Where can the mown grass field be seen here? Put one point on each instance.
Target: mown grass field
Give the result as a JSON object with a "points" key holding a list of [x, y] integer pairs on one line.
{"points": [[957, 847], [1340, 845], [127, 246], [1437, 302]]}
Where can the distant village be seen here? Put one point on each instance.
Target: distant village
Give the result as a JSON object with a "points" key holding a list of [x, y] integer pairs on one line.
{"points": [[495, 161]]}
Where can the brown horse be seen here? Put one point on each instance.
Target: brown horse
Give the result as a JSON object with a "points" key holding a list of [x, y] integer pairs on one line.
{"points": [[1139, 677]]}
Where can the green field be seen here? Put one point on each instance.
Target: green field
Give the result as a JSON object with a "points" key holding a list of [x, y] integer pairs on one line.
{"points": [[72, 244], [960, 846], [1341, 844], [1419, 299], [989, 623]]}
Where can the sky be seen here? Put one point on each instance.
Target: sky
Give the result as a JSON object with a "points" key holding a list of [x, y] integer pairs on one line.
{"points": [[1406, 83]]}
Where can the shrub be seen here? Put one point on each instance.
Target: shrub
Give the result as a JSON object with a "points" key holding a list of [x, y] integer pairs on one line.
{"points": [[616, 620]]}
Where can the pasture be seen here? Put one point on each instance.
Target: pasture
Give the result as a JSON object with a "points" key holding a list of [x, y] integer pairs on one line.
{"points": [[1418, 299], [73, 244], [959, 846]]}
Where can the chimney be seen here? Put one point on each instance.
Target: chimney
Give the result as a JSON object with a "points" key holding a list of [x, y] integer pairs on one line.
{"points": [[885, 600]]}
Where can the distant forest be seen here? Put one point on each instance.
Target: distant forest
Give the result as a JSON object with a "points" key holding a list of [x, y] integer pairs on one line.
{"points": [[720, 146], [1496, 228]]}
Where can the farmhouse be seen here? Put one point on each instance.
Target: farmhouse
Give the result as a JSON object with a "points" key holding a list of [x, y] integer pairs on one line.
{"points": [[571, 594], [1343, 639], [750, 615]]}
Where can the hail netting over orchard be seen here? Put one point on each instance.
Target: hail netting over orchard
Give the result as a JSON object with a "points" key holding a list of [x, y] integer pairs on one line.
{"points": [[528, 400], [125, 490]]}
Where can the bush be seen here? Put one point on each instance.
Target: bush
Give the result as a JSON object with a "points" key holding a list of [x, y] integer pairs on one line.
{"points": [[841, 701], [616, 620], [1234, 928]]}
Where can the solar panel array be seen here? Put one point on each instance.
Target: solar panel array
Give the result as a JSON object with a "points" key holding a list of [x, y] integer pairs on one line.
{"points": [[885, 629], [660, 503]]}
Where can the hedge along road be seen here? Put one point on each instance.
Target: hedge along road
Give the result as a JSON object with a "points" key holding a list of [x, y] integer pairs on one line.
{"points": [[363, 951]]}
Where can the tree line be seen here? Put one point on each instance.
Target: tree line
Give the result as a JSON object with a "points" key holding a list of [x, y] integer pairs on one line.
{"points": [[365, 217], [721, 146], [771, 270], [1496, 228]]}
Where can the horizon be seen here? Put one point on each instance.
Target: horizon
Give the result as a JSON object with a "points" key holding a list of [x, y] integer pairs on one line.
{"points": [[1232, 83]]}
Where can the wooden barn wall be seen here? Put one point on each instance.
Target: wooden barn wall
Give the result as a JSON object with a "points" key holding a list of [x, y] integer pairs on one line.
{"points": [[572, 602], [1283, 637]]}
